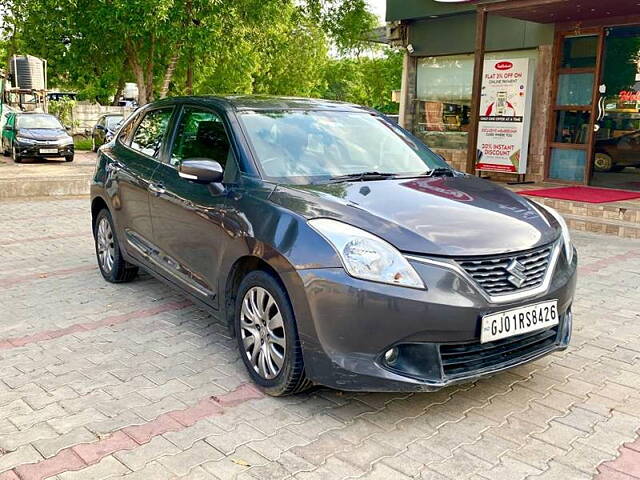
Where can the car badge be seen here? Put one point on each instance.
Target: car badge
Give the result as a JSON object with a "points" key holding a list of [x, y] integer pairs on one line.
{"points": [[517, 272]]}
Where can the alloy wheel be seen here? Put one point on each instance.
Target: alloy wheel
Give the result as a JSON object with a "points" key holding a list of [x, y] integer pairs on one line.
{"points": [[262, 332], [603, 162], [106, 245]]}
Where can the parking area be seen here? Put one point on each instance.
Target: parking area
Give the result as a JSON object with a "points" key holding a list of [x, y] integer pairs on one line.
{"points": [[103, 381]]}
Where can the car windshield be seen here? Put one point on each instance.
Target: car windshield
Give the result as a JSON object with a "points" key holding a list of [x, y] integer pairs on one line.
{"points": [[38, 121], [314, 146], [113, 122]]}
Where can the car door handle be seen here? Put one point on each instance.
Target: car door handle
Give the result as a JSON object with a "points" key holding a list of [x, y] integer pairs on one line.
{"points": [[156, 188]]}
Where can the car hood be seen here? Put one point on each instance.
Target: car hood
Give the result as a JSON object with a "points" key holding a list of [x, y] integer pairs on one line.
{"points": [[43, 133], [448, 216]]}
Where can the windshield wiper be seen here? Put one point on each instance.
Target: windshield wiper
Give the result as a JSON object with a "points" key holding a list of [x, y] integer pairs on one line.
{"points": [[429, 173], [435, 172], [361, 177]]}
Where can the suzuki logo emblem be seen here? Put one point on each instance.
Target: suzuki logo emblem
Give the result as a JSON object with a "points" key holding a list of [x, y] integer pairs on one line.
{"points": [[517, 271]]}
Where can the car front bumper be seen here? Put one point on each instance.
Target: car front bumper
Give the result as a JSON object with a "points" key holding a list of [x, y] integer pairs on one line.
{"points": [[36, 150], [346, 325]]}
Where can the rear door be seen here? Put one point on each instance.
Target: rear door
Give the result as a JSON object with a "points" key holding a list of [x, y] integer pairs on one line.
{"points": [[188, 217], [8, 132], [131, 164]]}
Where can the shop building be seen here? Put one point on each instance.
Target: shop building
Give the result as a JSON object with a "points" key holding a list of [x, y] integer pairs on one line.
{"points": [[583, 59]]}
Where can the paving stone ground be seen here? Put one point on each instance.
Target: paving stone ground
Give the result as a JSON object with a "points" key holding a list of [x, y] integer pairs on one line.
{"points": [[109, 381]]}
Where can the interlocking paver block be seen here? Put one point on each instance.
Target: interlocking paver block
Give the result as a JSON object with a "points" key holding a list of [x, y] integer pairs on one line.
{"points": [[102, 359]]}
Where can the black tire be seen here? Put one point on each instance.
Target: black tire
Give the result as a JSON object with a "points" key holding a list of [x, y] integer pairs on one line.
{"points": [[14, 155], [291, 378], [68, 158], [602, 162], [118, 270]]}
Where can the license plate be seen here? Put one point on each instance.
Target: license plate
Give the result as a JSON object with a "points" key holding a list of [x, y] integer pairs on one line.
{"points": [[517, 321], [48, 150]]}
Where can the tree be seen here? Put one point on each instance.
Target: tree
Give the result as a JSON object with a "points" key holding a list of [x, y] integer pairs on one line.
{"points": [[276, 45], [365, 80]]}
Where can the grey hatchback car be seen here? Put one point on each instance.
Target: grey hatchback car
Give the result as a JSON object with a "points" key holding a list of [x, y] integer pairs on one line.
{"points": [[338, 248]]}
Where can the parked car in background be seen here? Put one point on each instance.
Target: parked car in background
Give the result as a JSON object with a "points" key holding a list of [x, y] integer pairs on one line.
{"points": [[617, 153], [339, 248], [104, 129], [36, 135]]}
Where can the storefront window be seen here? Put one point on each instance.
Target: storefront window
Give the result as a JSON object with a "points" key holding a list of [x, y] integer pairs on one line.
{"points": [[444, 100], [443, 97]]}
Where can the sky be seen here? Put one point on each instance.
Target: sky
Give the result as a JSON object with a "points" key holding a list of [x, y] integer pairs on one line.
{"points": [[378, 7]]}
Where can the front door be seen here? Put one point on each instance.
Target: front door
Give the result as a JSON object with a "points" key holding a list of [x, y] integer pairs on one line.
{"points": [[188, 216], [616, 152], [574, 98]]}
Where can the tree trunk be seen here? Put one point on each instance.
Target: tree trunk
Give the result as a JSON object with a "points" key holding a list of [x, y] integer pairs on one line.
{"points": [[149, 70], [189, 78], [168, 75], [132, 57]]}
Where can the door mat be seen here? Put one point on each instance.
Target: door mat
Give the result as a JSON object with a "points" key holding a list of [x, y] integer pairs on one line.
{"points": [[583, 194]]}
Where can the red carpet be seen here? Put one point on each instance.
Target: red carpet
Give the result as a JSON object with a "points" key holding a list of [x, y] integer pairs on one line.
{"points": [[583, 194]]}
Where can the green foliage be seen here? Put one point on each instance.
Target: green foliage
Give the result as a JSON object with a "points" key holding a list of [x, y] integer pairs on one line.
{"points": [[280, 47], [82, 143], [63, 109], [365, 80]]}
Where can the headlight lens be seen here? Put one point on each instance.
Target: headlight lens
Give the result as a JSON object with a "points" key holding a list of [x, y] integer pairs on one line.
{"points": [[64, 141], [25, 140], [366, 256], [566, 236]]}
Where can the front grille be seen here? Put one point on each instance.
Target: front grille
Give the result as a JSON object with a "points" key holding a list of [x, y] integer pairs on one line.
{"points": [[492, 275], [465, 358]]}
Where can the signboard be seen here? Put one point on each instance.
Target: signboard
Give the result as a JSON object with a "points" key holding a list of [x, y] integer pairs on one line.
{"points": [[505, 114]]}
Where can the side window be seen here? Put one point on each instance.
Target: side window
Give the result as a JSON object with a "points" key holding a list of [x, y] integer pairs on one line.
{"points": [[200, 134], [148, 136], [125, 131]]}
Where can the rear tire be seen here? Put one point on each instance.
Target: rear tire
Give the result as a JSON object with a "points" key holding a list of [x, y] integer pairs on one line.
{"points": [[113, 266], [267, 335]]}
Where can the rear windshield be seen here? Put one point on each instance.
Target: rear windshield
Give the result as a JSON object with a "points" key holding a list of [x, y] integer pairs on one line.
{"points": [[113, 122], [38, 121]]}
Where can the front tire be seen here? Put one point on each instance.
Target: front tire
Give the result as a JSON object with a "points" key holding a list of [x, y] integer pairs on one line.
{"points": [[68, 158], [267, 336], [14, 155], [113, 266], [602, 162]]}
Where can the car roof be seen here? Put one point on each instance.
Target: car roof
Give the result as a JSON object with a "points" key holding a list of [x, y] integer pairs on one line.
{"points": [[265, 102]]}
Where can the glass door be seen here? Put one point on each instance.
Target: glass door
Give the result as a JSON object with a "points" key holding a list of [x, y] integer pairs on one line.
{"points": [[616, 146], [572, 122]]}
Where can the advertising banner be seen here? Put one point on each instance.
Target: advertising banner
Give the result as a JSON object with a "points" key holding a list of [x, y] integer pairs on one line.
{"points": [[505, 114]]}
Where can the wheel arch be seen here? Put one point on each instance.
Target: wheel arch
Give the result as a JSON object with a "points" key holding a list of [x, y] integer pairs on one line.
{"points": [[240, 268], [97, 204]]}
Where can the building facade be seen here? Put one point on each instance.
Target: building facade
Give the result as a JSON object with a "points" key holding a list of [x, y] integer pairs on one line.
{"points": [[584, 58]]}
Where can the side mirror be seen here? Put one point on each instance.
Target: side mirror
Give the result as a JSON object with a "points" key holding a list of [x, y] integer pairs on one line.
{"points": [[201, 170]]}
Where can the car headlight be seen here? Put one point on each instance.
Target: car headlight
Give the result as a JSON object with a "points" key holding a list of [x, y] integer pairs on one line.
{"points": [[366, 256], [25, 140], [566, 236], [64, 141]]}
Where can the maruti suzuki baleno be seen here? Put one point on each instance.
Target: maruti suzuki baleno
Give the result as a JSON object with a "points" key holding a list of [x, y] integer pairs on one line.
{"points": [[338, 248]]}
